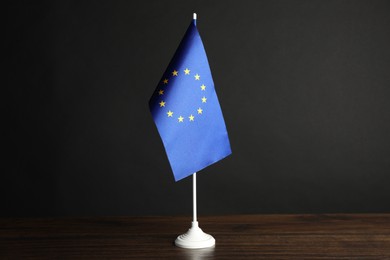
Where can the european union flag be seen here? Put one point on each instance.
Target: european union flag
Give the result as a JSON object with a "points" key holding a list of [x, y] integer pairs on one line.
{"points": [[186, 110]]}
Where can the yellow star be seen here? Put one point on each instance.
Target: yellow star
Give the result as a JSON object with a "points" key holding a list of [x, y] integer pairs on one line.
{"points": [[165, 81], [204, 99], [161, 92], [187, 71], [175, 73], [197, 77], [180, 118], [203, 87], [162, 104], [170, 113], [191, 117], [200, 111]]}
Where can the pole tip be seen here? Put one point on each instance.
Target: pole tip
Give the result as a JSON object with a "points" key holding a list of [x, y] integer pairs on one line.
{"points": [[194, 16]]}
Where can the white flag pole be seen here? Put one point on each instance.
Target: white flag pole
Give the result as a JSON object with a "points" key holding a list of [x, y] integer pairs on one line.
{"points": [[195, 237], [194, 197]]}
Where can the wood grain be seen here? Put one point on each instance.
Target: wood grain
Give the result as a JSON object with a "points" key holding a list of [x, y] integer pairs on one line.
{"points": [[324, 236]]}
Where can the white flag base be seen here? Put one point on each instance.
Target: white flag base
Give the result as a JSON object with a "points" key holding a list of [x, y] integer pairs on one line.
{"points": [[195, 238]]}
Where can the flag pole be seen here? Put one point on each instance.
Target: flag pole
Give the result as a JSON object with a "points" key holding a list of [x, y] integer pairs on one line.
{"points": [[195, 237], [194, 197]]}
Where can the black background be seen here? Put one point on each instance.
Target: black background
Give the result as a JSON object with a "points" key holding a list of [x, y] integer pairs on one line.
{"points": [[304, 87]]}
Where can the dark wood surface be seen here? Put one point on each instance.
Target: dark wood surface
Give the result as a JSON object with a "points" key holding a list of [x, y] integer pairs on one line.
{"points": [[323, 236]]}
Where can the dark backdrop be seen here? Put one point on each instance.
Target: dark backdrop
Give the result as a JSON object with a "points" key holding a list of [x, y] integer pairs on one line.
{"points": [[304, 87]]}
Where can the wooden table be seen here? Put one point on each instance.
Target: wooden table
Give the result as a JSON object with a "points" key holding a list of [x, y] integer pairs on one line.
{"points": [[323, 236]]}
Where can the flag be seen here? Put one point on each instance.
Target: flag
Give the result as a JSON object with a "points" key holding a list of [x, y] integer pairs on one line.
{"points": [[186, 110]]}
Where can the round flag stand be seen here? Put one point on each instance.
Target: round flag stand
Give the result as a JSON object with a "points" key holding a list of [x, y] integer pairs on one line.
{"points": [[195, 237]]}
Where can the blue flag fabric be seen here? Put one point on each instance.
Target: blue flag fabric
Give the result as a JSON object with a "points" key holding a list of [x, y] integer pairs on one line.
{"points": [[186, 110]]}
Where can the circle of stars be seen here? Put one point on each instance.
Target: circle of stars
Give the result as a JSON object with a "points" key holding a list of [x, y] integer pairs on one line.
{"points": [[171, 114]]}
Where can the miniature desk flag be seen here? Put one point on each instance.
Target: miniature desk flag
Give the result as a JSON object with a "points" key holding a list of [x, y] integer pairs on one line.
{"points": [[186, 110]]}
